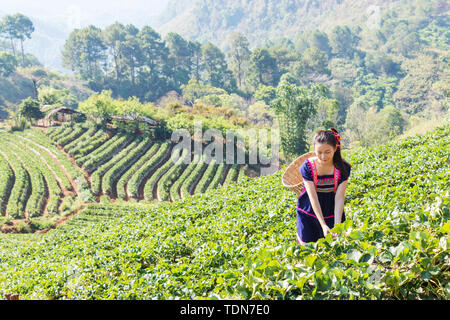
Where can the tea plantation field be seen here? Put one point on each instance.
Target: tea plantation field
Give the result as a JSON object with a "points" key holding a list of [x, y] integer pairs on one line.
{"points": [[46, 176], [238, 241]]}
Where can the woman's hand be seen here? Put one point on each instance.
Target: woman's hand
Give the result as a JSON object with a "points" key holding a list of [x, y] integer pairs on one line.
{"points": [[326, 230]]}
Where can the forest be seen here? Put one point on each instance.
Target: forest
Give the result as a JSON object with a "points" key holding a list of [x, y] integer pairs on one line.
{"points": [[377, 81]]}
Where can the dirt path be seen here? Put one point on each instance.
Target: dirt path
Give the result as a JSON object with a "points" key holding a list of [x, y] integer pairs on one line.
{"points": [[60, 166], [63, 220]]}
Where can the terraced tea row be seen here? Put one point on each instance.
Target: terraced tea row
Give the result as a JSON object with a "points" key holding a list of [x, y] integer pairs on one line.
{"points": [[127, 166], [32, 181], [45, 175]]}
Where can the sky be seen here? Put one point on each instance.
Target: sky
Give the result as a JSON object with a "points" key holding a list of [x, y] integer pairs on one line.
{"points": [[79, 13]]}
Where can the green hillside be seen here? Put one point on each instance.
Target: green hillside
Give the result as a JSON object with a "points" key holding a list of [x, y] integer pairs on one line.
{"points": [[207, 20], [239, 242], [19, 85], [47, 174]]}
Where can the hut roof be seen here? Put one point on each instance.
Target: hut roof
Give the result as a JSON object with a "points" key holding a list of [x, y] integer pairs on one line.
{"points": [[139, 119], [64, 110]]}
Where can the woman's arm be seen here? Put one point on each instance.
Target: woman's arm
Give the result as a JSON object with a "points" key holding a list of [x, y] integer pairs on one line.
{"points": [[339, 202]]}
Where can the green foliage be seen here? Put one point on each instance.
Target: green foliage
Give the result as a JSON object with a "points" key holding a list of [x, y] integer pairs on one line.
{"points": [[8, 63], [342, 41], [238, 242], [83, 51], [17, 27], [194, 90], [263, 69], [56, 97], [312, 62], [30, 109], [138, 177], [293, 106], [6, 182], [265, 93]]}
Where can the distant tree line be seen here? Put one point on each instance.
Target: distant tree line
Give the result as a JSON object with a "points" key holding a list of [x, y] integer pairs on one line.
{"points": [[133, 62]]}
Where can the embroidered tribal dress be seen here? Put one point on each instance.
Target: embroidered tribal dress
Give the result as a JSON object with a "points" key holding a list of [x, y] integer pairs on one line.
{"points": [[308, 226]]}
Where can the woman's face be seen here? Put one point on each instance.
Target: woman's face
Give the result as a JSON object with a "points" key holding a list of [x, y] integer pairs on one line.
{"points": [[324, 152]]}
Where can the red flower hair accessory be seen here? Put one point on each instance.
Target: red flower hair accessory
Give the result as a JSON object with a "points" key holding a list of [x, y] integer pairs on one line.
{"points": [[337, 136]]}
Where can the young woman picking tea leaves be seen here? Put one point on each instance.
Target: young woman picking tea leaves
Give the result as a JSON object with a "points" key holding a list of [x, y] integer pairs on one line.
{"points": [[321, 203]]}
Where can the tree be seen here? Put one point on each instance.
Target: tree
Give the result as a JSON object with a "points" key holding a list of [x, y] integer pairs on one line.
{"points": [[57, 97], [113, 37], [132, 55], [263, 68], [8, 63], [194, 90], [319, 40], [285, 59], [195, 48], [265, 93], [180, 55], [293, 107], [239, 56], [84, 51], [312, 62], [216, 72], [101, 107], [30, 109], [391, 121], [342, 42], [24, 29], [152, 75], [261, 113], [8, 29]]}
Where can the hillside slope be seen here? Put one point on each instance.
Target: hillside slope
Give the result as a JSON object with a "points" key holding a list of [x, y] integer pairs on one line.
{"points": [[19, 86], [205, 20], [239, 241]]}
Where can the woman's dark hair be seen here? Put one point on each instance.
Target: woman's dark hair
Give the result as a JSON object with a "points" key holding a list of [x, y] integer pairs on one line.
{"points": [[329, 137]]}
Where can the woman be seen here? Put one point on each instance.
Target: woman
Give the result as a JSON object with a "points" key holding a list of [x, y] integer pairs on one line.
{"points": [[321, 203]]}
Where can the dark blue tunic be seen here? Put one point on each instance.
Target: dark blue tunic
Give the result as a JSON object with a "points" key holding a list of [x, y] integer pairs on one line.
{"points": [[308, 226]]}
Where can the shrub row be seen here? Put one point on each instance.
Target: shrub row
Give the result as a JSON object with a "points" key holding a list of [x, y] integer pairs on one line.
{"points": [[121, 192], [151, 182], [19, 193], [124, 162], [101, 170], [98, 158], [218, 176], [170, 176], [81, 139], [207, 177], [34, 163], [74, 134], [91, 144], [37, 184], [188, 184], [73, 171], [138, 177], [232, 174], [48, 159], [6, 183], [175, 189]]}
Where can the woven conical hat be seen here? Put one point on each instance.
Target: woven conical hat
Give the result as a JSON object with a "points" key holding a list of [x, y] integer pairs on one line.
{"points": [[292, 178]]}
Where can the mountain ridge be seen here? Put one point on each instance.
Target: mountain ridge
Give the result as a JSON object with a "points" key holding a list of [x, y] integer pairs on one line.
{"points": [[267, 19]]}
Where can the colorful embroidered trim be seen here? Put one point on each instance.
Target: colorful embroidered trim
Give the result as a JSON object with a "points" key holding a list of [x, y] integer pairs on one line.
{"points": [[312, 215], [313, 172]]}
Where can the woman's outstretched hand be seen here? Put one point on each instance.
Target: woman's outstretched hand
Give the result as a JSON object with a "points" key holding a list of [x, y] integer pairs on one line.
{"points": [[326, 230]]}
